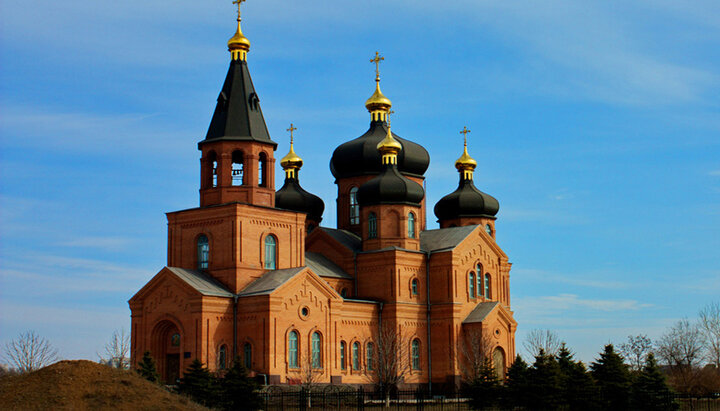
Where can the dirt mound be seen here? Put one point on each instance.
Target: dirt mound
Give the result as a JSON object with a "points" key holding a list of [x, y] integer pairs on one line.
{"points": [[85, 385]]}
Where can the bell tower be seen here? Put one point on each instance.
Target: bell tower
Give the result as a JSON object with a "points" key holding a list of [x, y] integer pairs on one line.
{"points": [[237, 153]]}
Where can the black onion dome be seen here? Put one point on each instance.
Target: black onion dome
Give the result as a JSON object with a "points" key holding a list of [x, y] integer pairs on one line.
{"points": [[360, 156], [293, 197], [466, 201], [390, 187]]}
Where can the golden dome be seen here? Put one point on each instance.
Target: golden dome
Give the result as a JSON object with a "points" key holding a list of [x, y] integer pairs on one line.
{"points": [[465, 162], [291, 160], [239, 41], [389, 145], [378, 101]]}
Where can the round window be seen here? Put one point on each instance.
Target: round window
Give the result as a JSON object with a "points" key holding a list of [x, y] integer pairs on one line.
{"points": [[305, 311]]}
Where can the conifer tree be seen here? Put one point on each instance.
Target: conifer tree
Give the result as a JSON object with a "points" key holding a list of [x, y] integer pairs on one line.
{"points": [[650, 390], [578, 387], [147, 368], [484, 390], [545, 392], [517, 384], [613, 380], [237, 390], [198, 384]]}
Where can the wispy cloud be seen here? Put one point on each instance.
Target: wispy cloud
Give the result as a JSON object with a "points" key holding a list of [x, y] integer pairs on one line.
{"points": [[566, 302], [714, 173], [580, 279], [106, 243]]}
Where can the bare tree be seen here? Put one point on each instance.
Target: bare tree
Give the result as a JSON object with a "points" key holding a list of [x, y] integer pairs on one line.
{"points": [[477, 349], [117, 350], [311, 372], [710, 327], [681, 349], [545, 340], [390, 360], [30, 352], [636, 350]]}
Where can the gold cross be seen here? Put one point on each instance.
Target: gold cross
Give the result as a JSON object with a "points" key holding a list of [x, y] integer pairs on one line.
{"points": [[378, 58], [388, 116], [238, 2], [291, 129], [465, 132]]}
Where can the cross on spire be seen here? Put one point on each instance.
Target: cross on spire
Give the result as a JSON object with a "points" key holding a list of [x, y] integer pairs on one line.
{"points": [[465, 132], [391, 112], [378, 58], [239, 2], [291, 129]]}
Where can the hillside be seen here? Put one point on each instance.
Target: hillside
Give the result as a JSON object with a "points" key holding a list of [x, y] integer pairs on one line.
{"points": [[85, 385]]}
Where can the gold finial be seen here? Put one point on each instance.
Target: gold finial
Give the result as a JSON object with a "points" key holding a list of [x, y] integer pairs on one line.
{"points": [[238, 45], [465, 163], [291, 163], [378, 104], [389, 147]]}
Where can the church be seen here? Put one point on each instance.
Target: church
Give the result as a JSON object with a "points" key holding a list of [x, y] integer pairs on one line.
{"points": [[252, 274]]}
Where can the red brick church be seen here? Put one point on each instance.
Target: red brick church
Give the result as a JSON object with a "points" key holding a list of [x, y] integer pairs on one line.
{"points": [[252, 274]]}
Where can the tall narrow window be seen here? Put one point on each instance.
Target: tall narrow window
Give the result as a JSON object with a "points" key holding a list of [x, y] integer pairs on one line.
{"points": [[479, 279], [213, 168], [293, 349], [411, 225], [372, 225], [248, 355], [370, 356], [471, 284], [262, 170], [354, 207], [203, 252], [414, 286], [238, 168], [356, 356], [270, 253], [342, 355], [415, 354], [487, 286], [316, 351], [222, 357]]}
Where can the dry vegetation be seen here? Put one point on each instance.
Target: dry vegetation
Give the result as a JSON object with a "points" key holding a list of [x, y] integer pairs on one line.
{"points": [[85, 385]]}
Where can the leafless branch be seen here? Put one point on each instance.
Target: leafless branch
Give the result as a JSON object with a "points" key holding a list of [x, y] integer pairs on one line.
{"points": [[636, 350], [117, 350], [477, 349], [545, 340], [30, 352], [681, 349], [710, 328]]}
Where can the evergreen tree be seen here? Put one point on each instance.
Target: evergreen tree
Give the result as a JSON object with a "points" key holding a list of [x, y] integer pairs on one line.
{"points": [[650, 390], [198, 384], [613, 380], [147, 368], [545, 391], [578, 387], [484, 390], [517, 384], [237, 390]]}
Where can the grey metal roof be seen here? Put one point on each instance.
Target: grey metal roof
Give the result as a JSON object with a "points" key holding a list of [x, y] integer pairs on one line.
{"points": [[444, 238], [324, 267], [270, 281], [481, 312], [202, 282], [344, 237]]}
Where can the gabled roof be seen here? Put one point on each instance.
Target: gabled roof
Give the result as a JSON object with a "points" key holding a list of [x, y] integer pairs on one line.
{"points": [[324, 267], [203, 283], [444, 238], [237, 114], [270, 281], [346, 238], [481, 311]]}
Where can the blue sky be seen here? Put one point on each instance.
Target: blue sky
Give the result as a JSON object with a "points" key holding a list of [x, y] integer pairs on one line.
{"points": [[594, 123]]}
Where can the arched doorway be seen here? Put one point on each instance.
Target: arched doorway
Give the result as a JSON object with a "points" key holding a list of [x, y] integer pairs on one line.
{"points": [[167, 341], [499, 363]]}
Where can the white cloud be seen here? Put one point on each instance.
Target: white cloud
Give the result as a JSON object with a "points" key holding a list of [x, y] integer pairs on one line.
{"points": [[714, 173], [563, 303]]}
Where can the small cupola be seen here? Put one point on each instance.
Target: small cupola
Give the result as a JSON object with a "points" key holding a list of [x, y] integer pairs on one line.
{"points": [[238, 45], [467, 205], [291, 196]]}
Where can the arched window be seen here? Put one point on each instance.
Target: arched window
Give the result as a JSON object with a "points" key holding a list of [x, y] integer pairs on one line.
{"points": [[293, 349], [203, 252], [354, 207], [411, 225], [488, 229], [372, 225], [370, 356], [356, 356], [471, 284], [415, 354], [222, 357], [316, 359], [212, 160], [414, 286], [270, 253], [248, 355], [499, 363], [262, 170], [487, 286], [238, 168], [342, 355]]}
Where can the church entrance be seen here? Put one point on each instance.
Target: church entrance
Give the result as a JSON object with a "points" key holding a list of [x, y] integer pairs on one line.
{"points": [[167, 342]]}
